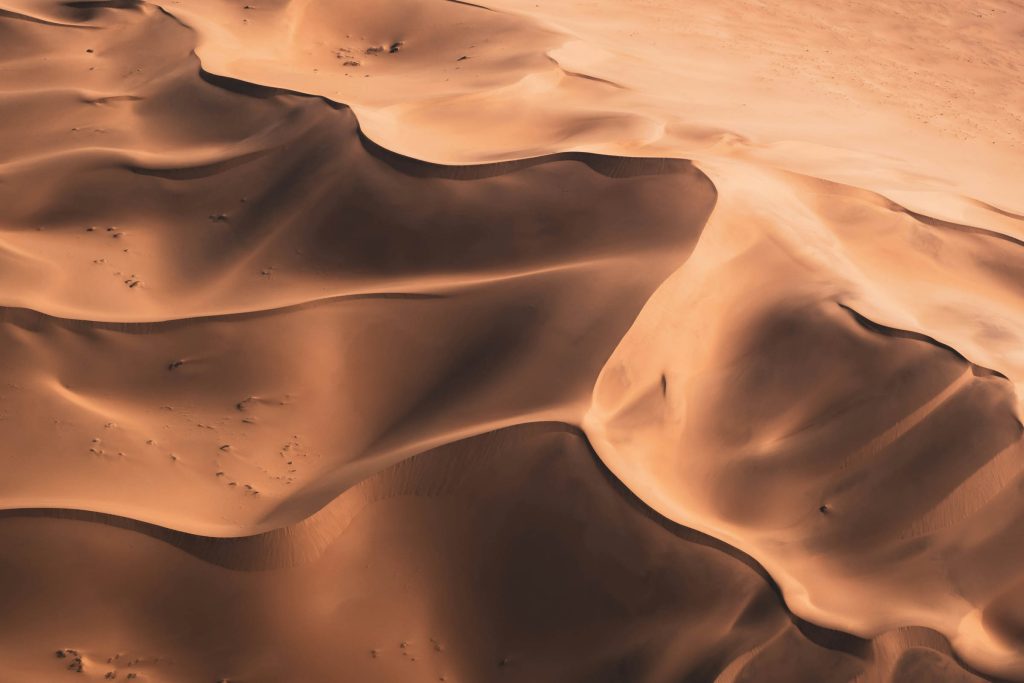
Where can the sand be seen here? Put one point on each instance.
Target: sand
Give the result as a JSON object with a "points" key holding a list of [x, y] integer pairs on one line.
{"points": [[592, 340]]}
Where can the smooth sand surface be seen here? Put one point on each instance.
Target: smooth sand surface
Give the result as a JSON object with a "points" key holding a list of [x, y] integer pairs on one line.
{"points": [[589, 340]]}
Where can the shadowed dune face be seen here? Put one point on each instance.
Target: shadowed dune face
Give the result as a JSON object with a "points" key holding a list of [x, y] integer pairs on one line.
{"points": [[242, 293], [458, 517], [212, 188], [859, 462], [508, 518], [311, 314]]}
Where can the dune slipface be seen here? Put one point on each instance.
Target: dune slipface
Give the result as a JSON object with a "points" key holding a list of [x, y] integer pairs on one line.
{"points": [[418, 340]]}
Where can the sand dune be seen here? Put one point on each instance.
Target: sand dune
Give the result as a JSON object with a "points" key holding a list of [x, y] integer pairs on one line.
{"points": [[587, 341], [508, 517], [821, 427]]}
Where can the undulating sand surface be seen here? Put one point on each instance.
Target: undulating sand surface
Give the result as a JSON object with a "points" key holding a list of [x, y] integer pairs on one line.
{"points": [[635, 341]]}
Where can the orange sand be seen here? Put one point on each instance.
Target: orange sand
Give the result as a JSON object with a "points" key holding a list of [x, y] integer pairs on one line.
{"points": [[592, 340]]}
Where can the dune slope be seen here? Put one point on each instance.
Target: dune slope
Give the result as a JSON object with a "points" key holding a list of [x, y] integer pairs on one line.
{"points": [[508, 517], [603, 340]]}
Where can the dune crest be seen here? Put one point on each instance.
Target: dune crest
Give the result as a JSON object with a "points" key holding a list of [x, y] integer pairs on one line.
{"points": [[851, 449], [296, 290]]}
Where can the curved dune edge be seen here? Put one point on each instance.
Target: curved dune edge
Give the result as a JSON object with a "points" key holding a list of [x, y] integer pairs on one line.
{"points": [[451, 475], [980, 631], [644, 125], [235, 393], [305, 541], [867, 508]]}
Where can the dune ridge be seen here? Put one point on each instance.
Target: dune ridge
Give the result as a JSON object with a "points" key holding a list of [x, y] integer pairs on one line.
{"points": [[455, 474], [327, 285]]}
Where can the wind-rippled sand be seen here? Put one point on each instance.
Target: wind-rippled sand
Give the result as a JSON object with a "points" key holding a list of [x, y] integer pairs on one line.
{"points": [[588, 341]]}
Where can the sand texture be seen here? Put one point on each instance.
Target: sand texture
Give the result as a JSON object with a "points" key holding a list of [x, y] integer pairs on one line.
{"points": [[583, 341]]}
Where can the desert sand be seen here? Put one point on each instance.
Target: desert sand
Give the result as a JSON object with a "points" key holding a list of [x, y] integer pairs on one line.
{"points": [[633, 341]]}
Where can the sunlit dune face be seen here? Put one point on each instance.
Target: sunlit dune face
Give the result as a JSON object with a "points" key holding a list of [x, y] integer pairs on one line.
{"points": [[580, 341]]}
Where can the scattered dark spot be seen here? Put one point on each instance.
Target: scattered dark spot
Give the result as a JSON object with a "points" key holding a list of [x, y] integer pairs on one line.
{"points": [[89, 50], [350, 62], [374, 50], [824, 509], [61, 654], [218, 217], [174, 365], [91, 228], [395, 47]]}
